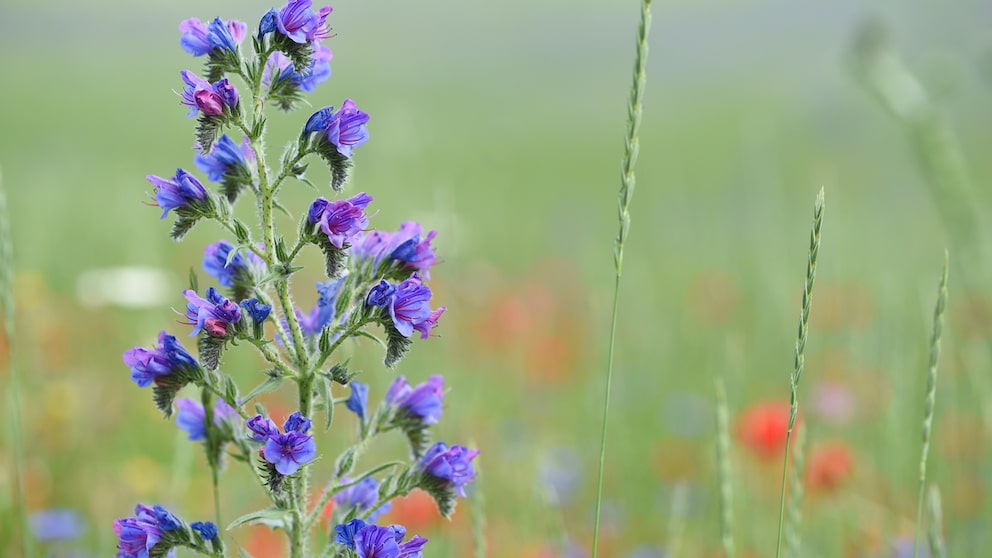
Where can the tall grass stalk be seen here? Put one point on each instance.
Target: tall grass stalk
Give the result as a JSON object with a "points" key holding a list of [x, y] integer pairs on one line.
{"points": [[14, 393], [635, 109], [478, 512], [793, 529], [934, 536], [724, 469], [800, 355], [930, 398]]}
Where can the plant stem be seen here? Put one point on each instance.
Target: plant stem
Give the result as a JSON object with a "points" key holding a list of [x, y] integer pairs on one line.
{"points": [[331, 489], [635, 109], [800, 355], [930, 398], [724, 469]]}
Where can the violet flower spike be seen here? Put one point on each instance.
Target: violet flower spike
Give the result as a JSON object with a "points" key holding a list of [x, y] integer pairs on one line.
{"points": [[183, 190]]}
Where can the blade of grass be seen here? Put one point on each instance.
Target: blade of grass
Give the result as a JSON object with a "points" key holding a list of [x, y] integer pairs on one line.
{"points": [[800, 355], [793, 534], [635, 109], [14, 394], [724, 469], [930, 398], [478, 511], [934, 537]]}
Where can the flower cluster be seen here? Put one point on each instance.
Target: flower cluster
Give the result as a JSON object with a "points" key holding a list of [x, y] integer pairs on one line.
{"points": [[373, 541], [374, 278], [286, 451]]}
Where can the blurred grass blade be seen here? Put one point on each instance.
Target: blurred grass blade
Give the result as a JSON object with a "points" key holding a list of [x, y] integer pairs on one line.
{"points": [[800, 354], [724, 468], [13, 394], [635, 109], [793, 529], [936, 539], [930, 398], [478, 511], [885, 75]]}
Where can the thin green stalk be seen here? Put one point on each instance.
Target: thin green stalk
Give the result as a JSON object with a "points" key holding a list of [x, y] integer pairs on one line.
{"points": [[7, 301], [724, 469], [333, 488], [930, 399], [793, 535], [800, 356], [635, 109], [936, 540], [478, 511]]}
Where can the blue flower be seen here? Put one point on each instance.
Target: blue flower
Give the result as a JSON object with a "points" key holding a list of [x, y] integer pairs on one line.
{"points": [[138, 535], [342, 219], [228, 270], [206, 530], [323, 313], [408, 304], [213, 314], [226, 159], [359, 400], [191, 416], [423, 403], [210, 99], [363, 496], [168, 357], [344, 129], [199, 39], [57, 524], [183, 190], [257, 311], [449, 468], [286, 451], [373, 541], [298, 22]]}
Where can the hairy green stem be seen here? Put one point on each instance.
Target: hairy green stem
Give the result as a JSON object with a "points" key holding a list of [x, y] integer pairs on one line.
{"points": [[724, 468], [635, 109], [800, 355], [332, 489], [930, 398]]}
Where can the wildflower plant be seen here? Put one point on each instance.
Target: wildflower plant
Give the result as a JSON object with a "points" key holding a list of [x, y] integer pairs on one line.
{"points": [[376, 280]]}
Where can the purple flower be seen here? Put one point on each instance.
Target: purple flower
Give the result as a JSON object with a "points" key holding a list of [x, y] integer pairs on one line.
{"points": [[452, 467], [380, 295], [359, 400], [213, 314], [190, 418], [299, 23], [228, 270], [262, 428], [373, 541], [226, 159], [407, 247], [342, 219], [168, 357], [138, 535], [363, 496], [211, 99], [55, 525], [199, 39], [423, 403], [206, 530], [257, 311], [279, 68], [289, 451], [410, 308], [345, 129], [323, 313], [183, 190]]}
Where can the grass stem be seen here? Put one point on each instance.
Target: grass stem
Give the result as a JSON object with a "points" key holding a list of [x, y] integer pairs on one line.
{"points": [[635, 109], [930, 399]]}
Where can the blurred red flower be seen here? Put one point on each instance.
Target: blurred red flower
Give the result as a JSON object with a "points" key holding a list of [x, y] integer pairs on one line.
{"points": [[762, 429], [828, 466], [417, 512]]}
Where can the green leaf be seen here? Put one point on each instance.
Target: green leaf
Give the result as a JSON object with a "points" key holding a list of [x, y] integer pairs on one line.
{"points": [[272, 517], [268, 385], [372, 337], [324, 393]]}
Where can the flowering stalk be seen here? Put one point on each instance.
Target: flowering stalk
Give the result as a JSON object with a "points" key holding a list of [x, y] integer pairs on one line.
{"points": [[376, 279], [800, 355], [930, 399], [635, 109]]}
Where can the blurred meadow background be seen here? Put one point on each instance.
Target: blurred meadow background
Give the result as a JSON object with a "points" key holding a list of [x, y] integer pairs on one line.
{"points": [[500, 125]]}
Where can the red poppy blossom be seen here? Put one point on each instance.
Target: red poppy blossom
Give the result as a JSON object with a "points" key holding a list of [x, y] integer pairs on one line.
{"points": [[828, 467], [763, 427]]}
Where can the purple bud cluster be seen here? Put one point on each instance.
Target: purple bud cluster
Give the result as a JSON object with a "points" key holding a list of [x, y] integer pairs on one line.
{"points": [[373, 541]]}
